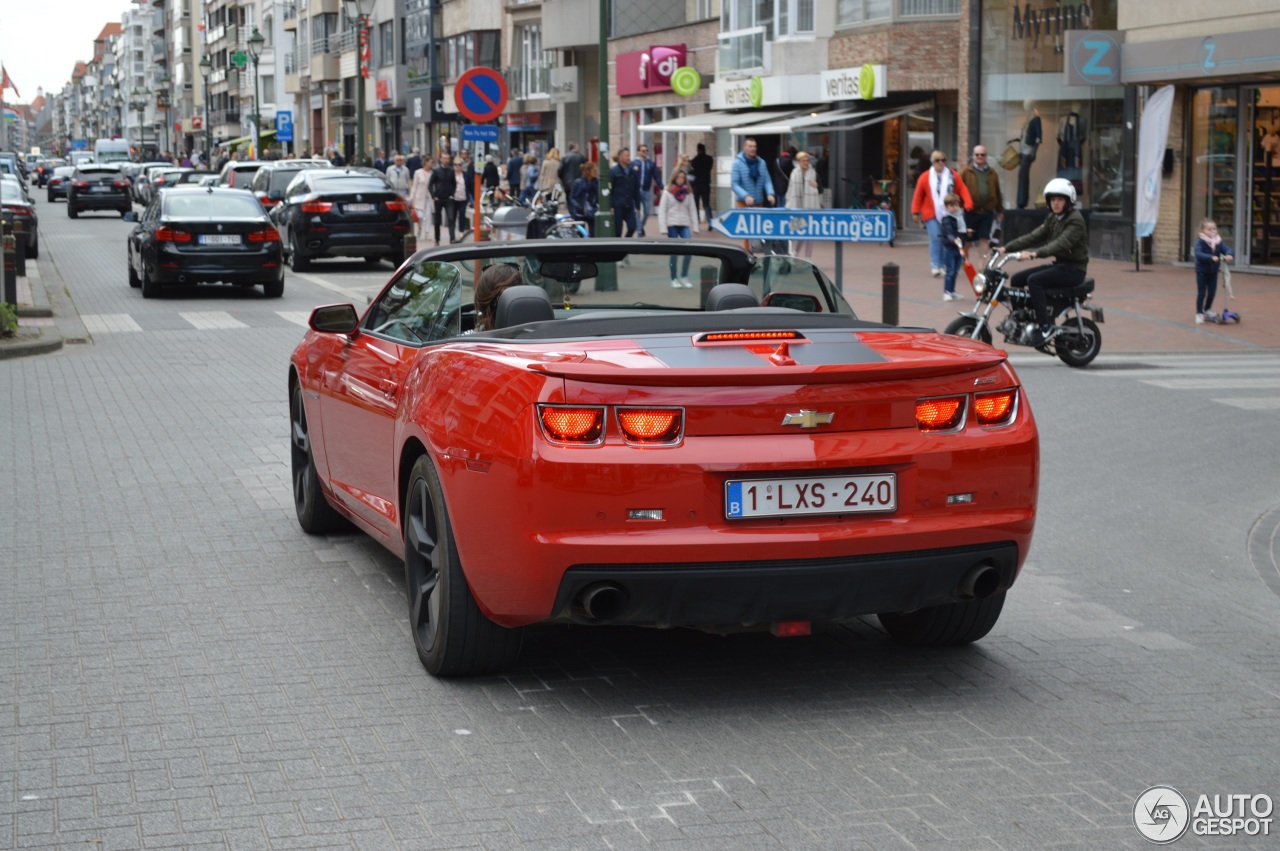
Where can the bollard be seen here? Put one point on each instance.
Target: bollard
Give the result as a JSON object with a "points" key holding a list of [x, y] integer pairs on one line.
{"points": [[410, 245], [707, 278], [889, 290], [10, 272], [20, 248]]}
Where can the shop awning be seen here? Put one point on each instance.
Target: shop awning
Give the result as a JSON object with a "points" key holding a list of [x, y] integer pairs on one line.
{"points": [[709, 122], [244, 140], [803, 121], [878, 119]]}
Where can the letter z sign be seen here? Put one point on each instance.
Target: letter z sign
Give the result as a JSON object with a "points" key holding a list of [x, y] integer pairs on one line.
{"points": [[1093, 58], [481, 94]]}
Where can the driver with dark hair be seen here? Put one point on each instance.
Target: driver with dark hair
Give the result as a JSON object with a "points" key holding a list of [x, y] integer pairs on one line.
{"points": [[492, 282], [1062, 236]]}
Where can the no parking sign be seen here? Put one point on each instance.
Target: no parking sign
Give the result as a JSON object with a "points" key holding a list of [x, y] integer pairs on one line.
{"points": [[481, 94]]}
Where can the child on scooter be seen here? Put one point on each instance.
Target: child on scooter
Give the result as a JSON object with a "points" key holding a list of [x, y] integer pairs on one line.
{"points": [[1210, 252], [954, 236]]}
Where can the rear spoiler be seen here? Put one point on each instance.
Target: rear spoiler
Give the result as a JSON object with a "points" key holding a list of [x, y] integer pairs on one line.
{"points": [[597, 373]]}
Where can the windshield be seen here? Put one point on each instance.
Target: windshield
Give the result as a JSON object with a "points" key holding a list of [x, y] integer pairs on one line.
{"points": [[184, 203], [348, 183]]}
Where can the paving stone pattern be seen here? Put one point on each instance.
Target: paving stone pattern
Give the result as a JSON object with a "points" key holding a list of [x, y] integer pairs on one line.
{"points": [[182, 667]]}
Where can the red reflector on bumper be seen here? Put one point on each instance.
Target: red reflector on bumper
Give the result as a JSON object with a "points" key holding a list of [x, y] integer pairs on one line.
{"points": [[790, 629]]}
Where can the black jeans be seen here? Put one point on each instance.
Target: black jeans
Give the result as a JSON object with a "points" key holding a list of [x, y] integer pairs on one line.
{"points": [[702, 196], [624, 216], [1039, 279], [444, 207]]}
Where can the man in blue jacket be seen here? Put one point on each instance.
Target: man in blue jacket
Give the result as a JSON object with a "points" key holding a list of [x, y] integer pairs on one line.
{"points": [[647, 174], [624, 193], [752, 186]]}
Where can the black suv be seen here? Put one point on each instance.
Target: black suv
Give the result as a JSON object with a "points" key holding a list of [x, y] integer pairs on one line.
{"points": [[341, 213], [98, 186]]}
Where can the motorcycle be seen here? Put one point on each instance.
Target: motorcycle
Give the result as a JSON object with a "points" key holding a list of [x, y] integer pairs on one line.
{"points": [[1078, 340]]}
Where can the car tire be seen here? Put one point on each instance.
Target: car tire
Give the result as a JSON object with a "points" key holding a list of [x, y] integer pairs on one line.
{"points": [[124, 211], [452, 636], [373, 261], [134, 280], [315, 515], [50, 194], [150, 289], [963, 327], [273, 289], [71, 212], [33, 252], [944, 626], [298, 261], [1072, 349]]}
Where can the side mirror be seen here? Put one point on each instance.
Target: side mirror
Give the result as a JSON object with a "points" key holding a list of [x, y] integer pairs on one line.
{"points": [[131, 216], [334, 319]]}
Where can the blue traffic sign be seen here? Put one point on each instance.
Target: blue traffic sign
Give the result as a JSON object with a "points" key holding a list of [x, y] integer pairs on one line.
{"points": [[480, 94], [479, 132], [809, 225], [284, 126]]}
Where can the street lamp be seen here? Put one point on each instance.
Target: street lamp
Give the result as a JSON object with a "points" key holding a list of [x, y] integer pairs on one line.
{"points": [[255, 50], [205, 67], [360, 10], [139, 103], [162, 108]]}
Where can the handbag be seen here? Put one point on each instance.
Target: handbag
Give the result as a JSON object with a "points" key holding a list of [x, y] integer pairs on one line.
{"points": [[1012, 157]]}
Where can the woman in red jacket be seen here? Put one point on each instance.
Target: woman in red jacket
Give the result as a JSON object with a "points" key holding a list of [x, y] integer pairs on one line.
{"points": [[927, 206]]}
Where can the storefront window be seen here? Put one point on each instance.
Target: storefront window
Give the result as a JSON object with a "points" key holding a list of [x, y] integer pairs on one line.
{"points": [[1212, 163], [1059, 131]]}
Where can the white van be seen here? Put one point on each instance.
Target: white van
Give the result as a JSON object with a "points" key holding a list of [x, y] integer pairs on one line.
{"points": [[81, 156], [111, 151]]}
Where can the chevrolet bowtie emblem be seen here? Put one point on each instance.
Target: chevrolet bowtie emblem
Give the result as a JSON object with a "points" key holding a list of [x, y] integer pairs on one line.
{"points": [[809, 419]]}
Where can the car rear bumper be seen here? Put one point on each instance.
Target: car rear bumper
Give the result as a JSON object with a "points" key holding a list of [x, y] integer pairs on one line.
{"points": [[174, 268], [741, 594], [100, 202], [356, 243]]}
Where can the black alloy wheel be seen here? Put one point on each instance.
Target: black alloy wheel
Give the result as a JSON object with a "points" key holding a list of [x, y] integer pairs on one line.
{"points": [[452, 636], [315, 515]]}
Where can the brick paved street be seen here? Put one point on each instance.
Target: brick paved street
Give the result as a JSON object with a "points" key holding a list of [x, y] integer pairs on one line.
{"points": [[182, 667]]}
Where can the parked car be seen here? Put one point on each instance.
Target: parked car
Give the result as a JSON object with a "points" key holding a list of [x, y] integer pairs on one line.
{"points": [[9, 178], [195, 235], [271, 181], [751, 457], [17, 207], [59, 181], [238, 174], [341, 213], [140, 179], [98, 186], [162, 178], [194, 177]]}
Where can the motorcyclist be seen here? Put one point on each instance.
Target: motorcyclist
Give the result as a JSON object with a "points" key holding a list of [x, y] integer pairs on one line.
{"points": [[1062, 236]]}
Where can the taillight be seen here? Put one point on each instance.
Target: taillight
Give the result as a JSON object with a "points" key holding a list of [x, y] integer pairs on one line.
{"points": [[316, 206], [997, 408], [651, 426], [266, 199], [264, 235], [159, 180], [79, 184], [121, 184], [17, 211], [167, 234], [579, 426], [944, 413], [397, 206]]}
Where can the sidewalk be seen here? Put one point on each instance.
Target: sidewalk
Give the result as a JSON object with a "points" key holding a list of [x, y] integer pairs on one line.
{"points": [[46, 316]]}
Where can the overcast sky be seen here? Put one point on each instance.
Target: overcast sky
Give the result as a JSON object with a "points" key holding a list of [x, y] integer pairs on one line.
{"points": [[41, 40]]}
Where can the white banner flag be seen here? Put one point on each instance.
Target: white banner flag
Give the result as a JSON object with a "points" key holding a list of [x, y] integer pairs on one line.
{"points": [[1153, 135]]}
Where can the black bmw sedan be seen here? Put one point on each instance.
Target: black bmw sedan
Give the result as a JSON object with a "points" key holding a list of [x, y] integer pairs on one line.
{"points": [[98, 186], [19, 208], [195, 235], [341, 213]]}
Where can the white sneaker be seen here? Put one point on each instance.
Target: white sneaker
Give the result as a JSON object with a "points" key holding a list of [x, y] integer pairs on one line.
{"points": [[1210, 316], [1199, 318], [686, 283], [675, 284], [935, 271]]}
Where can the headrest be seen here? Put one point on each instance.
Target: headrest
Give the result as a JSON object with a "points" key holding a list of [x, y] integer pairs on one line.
{"points": [[730, 297], [518, 305]]}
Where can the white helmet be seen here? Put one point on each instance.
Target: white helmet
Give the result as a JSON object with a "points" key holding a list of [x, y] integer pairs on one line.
{"points": [[1060, 186]]}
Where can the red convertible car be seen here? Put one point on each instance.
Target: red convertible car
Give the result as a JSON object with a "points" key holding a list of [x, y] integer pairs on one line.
{"points": [[618, 448]]}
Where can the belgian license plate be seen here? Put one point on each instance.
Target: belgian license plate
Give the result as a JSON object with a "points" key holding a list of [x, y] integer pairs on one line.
{"points": [[99, 188], [219, 239], [802, 497], [360, 208]]}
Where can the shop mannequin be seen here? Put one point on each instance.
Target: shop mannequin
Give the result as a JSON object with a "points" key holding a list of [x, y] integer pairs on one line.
{"points": [[1071, 136], [1030, 143]]}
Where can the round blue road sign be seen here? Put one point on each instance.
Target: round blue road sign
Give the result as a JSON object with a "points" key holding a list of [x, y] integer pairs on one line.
{"points": [[480, 94]]}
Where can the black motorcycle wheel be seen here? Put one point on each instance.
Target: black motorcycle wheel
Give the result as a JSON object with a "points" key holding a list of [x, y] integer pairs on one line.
{"points": [[963, 327], [1073, 349]]}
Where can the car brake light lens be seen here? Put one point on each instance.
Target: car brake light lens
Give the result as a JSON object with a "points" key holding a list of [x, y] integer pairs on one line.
{"points": [[167, 234], [996, 409], [80, 184], [120, 184], [944, 413], [397, 206], [651, 426], [316, 206], [572, 424], [265, 235]]}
